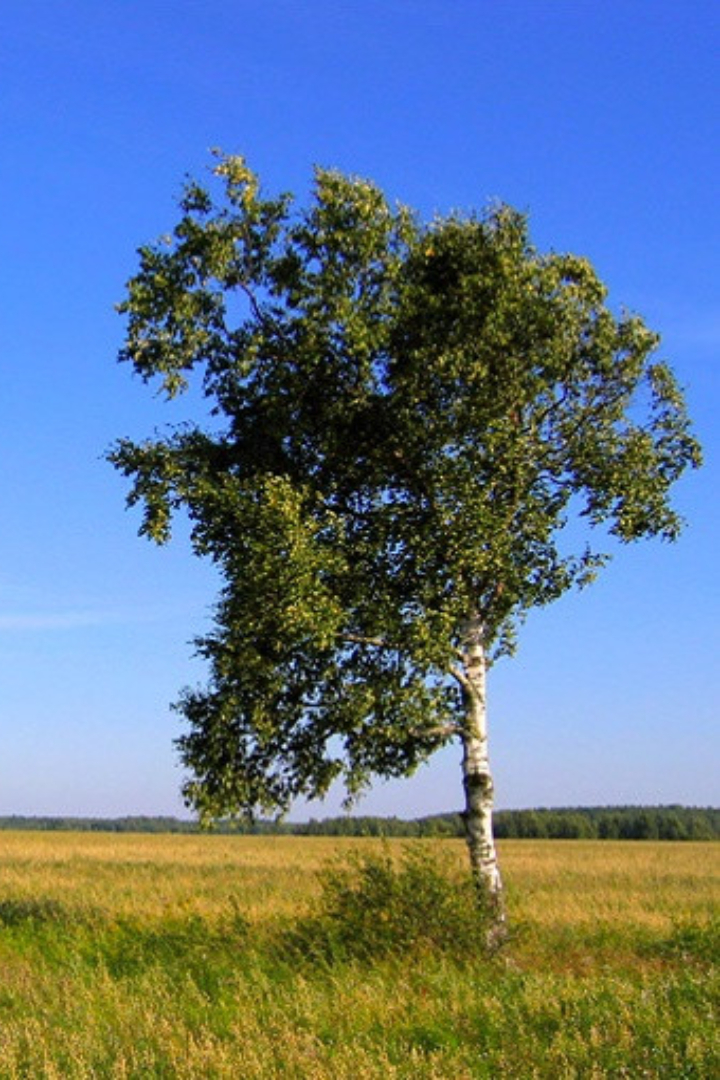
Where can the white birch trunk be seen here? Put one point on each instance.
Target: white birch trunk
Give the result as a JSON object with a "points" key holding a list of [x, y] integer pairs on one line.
{"points": [[477, 780]]}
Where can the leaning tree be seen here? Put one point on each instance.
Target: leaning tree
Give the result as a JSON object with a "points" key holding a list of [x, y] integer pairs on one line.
{"points": [[402, 417]]}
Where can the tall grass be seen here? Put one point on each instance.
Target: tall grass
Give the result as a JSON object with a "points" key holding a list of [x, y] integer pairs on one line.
{"points": [[174, 956]]}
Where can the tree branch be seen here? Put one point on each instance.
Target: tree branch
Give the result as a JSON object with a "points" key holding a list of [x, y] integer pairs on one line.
{"points": [[445, 731], [460, 676], [360, 639]]}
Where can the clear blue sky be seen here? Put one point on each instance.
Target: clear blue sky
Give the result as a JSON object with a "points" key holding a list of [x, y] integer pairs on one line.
{"points": [[599, 119]]}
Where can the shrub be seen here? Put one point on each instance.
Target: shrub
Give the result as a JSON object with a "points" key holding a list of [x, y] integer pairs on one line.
{"points": [[372, 906]]}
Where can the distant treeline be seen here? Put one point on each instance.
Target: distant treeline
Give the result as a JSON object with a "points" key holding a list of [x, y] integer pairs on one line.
{"points": [[581, 823], [91, 824], [576, 823], [611, 823]]}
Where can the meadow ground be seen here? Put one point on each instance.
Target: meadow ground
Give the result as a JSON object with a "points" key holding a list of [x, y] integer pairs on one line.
{"points": [[172, 956]]}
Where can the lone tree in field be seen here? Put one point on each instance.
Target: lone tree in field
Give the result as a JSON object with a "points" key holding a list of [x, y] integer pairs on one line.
{"points": [[402, 416]]}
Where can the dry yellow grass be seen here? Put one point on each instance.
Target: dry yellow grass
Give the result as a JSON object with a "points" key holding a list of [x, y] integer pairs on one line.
{"points": [[576, 882], [568, 883], [139, 874]]}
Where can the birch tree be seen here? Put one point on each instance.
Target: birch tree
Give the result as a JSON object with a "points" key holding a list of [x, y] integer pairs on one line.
{"points": [[403, 417]]}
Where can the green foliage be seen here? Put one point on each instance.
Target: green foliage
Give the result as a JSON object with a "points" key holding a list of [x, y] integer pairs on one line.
{"points": [[35, 911], [189, 946], [692, 941], [402, 417], [373, 906]]}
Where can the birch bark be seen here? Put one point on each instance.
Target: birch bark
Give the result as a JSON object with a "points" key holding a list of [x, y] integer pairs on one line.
{"points": [[477, 779]]}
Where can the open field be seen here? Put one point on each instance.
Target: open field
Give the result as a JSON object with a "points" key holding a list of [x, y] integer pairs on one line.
{"points": [[162, 956]]}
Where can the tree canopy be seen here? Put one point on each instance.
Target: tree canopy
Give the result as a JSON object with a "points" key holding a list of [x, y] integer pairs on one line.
{"points": [[403, 417]]}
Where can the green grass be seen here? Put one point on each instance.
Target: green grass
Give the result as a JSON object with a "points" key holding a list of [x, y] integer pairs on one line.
{"points": [[190, 957]]}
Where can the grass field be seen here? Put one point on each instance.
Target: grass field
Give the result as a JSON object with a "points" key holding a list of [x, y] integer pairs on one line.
{"points": [[168, 956]]}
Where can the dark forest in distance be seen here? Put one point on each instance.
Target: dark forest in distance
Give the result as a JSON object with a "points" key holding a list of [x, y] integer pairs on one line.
{"points": [[572, 823]]}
